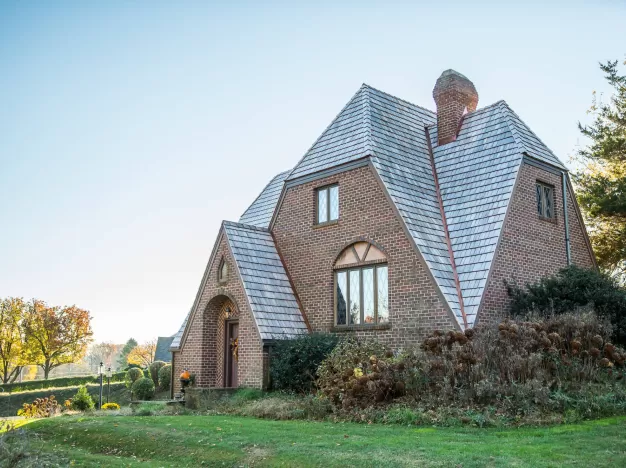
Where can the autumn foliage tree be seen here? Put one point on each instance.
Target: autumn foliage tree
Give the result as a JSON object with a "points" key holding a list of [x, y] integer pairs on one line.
{"points": [[143, 355], [11, 338], [56, 335]]}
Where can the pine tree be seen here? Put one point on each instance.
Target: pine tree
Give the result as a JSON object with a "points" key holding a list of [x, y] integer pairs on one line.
{"points": [[601, 185]]}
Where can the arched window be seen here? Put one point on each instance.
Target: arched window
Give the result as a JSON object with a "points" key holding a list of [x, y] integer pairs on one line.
{"points": [[361, 286], [222, 272]]}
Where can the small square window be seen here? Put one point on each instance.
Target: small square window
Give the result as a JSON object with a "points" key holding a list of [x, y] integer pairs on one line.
{"points": [[327, 204], [545, 200]]}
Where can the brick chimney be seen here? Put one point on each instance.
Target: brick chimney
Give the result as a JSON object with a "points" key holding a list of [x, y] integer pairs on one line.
{"points": [[453, 94]]}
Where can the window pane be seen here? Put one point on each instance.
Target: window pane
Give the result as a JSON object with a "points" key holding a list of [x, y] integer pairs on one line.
{"points": [[355, 297], [368, 295], [322, 206], [333, 193], [383, 294], [547, 192], [342, 296], [539, 197]]}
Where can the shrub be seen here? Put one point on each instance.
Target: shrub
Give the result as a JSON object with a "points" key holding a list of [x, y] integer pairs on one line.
{"points": [[295, 361], [569, 289], [82, 401], [59, 382], [154, 371], [40, 408], [165, 377], [361, 373], [143, 389], [133, 375], [111, 406]]}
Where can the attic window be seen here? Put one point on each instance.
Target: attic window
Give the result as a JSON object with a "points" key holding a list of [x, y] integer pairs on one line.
{"points": [[222, 272], [327, 204], [545, 200]]}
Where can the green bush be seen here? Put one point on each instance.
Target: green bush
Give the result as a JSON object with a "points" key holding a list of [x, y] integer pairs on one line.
{"points": [[165, 377], [143, 389], [59, 382], [295, 361], [154, 371], [82, 401], [572, 288], [133, 375]]}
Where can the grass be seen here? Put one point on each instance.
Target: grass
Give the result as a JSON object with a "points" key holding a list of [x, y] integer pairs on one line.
{"points": [[196, 440]]}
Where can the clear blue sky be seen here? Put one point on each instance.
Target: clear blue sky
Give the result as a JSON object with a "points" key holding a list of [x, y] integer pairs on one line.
{"points": [[129, 130]]}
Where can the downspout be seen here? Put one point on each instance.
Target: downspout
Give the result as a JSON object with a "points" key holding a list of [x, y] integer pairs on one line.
{"points": [[565, 219]]}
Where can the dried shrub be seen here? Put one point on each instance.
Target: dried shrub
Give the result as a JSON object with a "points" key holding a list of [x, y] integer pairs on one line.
{"points": [[40, 408], [361, 373]]}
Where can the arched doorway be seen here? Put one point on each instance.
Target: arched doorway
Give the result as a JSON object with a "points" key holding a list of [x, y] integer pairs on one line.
{"points": [[221, 343]]}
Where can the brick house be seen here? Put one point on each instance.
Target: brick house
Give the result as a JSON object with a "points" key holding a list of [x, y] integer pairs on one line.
{"points": [[397, 220]]}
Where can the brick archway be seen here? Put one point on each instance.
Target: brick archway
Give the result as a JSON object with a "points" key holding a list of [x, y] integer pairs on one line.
{"points": [[219, 310]]}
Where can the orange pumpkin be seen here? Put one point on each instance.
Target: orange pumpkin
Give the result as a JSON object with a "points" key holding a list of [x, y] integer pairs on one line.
{"points": [[185, 375]]}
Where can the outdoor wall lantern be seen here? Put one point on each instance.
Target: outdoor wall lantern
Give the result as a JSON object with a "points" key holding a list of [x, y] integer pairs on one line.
{"points": [[227, 312]]}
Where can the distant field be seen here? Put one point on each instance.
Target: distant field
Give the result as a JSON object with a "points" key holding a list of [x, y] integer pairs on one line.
{"points": [[158, 441]]}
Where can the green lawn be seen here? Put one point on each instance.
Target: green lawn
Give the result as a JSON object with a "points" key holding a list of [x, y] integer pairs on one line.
{"points": [[236, 441]]}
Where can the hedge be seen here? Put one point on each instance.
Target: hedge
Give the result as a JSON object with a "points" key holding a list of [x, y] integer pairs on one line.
{"points": [[59, 383]]}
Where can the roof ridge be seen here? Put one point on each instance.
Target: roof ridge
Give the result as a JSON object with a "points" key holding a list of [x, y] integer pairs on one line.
{"points": [[326, 129], [243, 225], [367, 120], [507, 120], [510, 109], [365, 85], [477, 111]]}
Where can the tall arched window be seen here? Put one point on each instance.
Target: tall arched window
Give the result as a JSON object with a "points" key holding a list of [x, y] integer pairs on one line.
{"points": [[361, 286]]}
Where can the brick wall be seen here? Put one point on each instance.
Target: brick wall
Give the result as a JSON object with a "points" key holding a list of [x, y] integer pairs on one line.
{"points": [[309, 252], [202, 349], [531, 247]]}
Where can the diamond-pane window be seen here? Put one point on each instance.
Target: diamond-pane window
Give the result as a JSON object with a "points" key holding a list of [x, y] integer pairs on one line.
{"points": [[383, 294], [327, 204], [333, 196], [342, 297], [545, 200], [322, 206], [361, 290], [355, 297], [368, 296]]}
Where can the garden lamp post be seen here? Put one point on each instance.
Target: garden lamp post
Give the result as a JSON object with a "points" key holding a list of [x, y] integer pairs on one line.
{"points": [[101, 372], [108, 383]]}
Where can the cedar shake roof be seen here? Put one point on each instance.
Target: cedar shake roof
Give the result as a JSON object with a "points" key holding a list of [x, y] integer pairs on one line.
{"points": [[261, 211], [452, 198], [265, 281]]}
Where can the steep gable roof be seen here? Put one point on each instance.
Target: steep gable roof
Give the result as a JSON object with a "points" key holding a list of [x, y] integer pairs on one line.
{"points": [[273, 303], [260, 212]]}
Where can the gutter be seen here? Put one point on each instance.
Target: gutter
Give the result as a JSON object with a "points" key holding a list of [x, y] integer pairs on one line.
{"points": [[568, 249]]}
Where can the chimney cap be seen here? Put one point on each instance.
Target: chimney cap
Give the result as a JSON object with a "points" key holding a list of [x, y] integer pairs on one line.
{"points": [[452, 79]]}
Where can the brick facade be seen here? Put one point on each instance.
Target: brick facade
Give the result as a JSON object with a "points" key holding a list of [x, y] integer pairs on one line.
{"points": [[365, 213], [202, 348], [531, 247]]}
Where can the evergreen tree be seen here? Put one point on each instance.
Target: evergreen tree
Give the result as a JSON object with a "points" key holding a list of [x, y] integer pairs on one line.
{"points": [[601, 185], [122, 361]]}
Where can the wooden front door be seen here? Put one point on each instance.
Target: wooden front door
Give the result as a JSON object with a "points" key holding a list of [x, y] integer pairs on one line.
{"points": [[232, 354]]}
